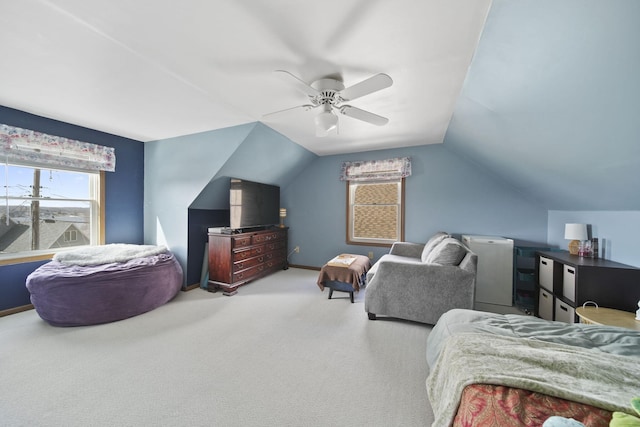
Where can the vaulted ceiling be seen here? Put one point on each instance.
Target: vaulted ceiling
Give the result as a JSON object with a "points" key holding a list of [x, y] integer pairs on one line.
{"points": [[154, 69], [543, 93]]}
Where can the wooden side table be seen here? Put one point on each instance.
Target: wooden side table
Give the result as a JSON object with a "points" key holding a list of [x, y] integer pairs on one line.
{"points": [[608, 316]]}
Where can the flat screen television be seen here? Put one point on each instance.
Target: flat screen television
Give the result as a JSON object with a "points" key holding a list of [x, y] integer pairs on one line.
{"points": [[253, 204]]}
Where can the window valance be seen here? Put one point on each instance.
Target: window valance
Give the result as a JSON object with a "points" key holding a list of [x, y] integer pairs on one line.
{"points": [[376, 170], [40, 149]]}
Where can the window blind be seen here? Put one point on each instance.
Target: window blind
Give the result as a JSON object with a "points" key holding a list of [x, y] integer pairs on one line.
{"points": [[376, 170]]}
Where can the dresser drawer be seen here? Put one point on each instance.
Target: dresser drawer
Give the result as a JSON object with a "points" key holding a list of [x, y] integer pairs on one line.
{"points": [[278, 256], [248, 263], [266, 237], [249, 252], [248, 273], [545, 273], [242, 241], [272, 246]]}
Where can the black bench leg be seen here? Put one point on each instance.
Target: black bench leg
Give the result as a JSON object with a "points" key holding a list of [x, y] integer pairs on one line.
{"points": [[351, 295], [330, 292]]}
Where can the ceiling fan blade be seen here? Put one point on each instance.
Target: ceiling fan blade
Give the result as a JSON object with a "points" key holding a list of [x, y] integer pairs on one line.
{"points": [[363, 115], [300, 84], [305, 107], [365, 87]]}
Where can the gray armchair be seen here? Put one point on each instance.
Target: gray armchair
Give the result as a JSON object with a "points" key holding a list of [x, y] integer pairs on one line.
{"points": [[420, 282]]}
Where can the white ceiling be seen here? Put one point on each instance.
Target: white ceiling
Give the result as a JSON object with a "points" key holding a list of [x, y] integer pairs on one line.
{"points": [[155, 69]]}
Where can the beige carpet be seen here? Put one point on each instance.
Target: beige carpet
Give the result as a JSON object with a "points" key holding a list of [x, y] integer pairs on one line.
{"points": [[277, 354]]}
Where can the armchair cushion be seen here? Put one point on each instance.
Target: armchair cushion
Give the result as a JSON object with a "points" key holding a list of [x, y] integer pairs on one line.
{"points": [[432, 243], [448, 252]]}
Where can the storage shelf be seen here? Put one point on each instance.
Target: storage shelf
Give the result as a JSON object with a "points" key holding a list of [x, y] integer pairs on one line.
{"points": [[524, 272]]}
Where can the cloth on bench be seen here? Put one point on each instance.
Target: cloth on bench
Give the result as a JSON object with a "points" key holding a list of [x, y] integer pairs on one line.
{"points": [[351, 275]]}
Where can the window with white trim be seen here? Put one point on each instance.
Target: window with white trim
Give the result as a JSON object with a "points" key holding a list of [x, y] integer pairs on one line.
{"points": [[53, 193], [47, 209]]}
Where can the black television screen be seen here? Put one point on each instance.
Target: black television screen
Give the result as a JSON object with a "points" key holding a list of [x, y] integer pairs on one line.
{"points": [[253, 204]]}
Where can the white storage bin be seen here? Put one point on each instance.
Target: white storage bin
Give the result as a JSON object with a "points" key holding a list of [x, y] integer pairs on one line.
{"points": [[545, 271], [569, 283], [564, 312], [545, 304]]}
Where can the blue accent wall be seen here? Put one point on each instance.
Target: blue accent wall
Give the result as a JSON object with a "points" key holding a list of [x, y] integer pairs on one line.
{"points": [[445, 192], [124, 194]]}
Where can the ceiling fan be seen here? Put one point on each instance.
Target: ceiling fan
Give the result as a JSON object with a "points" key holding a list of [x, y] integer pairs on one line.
{"points": [[330, 94]]}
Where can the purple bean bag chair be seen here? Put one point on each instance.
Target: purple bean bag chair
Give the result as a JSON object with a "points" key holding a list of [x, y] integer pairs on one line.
{"points": [[78, 290]]}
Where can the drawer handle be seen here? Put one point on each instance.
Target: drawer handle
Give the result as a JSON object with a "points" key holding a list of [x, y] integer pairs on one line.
{"points": [[543, 262], [570, 271], [545, 295], [563, 308]]}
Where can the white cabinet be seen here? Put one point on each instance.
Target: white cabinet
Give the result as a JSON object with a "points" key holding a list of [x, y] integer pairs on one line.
{"points": [[494, 282]]}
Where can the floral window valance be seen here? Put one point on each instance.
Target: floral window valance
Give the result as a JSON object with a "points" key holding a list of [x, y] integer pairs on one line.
{"points": [[40, 149], [376, 170]]}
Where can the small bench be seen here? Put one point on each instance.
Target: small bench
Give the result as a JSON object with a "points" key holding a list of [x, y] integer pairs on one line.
{"points": [[344, 273]]}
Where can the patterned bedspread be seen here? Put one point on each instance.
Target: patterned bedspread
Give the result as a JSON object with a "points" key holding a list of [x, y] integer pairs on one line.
{"points": [[514, 360], [557, 370], [486, 405]]}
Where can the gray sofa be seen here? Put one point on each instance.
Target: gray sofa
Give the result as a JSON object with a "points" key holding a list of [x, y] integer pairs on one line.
{"points": [[420, 282]]}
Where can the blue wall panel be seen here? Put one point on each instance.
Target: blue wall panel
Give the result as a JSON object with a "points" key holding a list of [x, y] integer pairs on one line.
{"points": [[445, 192], [124, 194], [617, 232]]}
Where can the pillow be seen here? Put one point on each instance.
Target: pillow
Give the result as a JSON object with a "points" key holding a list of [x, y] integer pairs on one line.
{"points": [[431, 243], [448, 252]]}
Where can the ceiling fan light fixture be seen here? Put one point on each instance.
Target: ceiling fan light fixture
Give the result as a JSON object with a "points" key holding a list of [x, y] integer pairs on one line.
{"points": [[329, 95], [326, 121]]}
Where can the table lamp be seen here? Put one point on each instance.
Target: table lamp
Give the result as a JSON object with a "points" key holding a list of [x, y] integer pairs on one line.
{"points": [[576, 233], [283, 214]]}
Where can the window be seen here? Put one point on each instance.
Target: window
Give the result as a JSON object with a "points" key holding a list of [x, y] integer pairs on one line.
{"points": [[71, 236], [53, 193], [47, 209], [375, 212], [375, 200]]}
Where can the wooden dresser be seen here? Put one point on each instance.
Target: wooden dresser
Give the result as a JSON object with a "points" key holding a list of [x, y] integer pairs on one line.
{"points": [[235, 259]]}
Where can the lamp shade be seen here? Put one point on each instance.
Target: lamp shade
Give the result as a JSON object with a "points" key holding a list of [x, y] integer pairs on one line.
{"points": [[325, 122], [283, 212], [575, 232]]}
